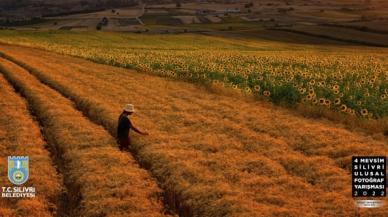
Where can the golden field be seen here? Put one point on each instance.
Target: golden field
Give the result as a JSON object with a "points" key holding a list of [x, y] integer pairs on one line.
{"points": [[100, 180], [20, 135], [210, 154], [253, 109]]}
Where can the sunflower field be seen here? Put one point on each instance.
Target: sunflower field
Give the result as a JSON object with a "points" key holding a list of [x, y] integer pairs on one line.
{"points": [[350, 80]]}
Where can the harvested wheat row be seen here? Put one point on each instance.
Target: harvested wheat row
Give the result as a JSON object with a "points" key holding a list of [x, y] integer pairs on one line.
{"points": [[246, 172], [102, 181], [20, 136]]}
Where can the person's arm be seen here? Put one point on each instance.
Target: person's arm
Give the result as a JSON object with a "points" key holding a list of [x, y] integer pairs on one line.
{"points": [[138, 131]]}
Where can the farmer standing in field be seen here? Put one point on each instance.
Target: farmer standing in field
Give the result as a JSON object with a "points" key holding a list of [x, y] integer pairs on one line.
{"points": [[124, 125]]}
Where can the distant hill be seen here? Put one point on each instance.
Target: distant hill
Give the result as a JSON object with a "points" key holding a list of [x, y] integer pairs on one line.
{"points": [[24, 9], [27, 9], [13, 4]]}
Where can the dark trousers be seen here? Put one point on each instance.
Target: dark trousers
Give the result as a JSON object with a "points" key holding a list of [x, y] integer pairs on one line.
{"points": [[124, 143]]}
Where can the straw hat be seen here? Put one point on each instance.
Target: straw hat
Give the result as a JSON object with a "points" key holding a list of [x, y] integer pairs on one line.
{"points": [[129, 108]]}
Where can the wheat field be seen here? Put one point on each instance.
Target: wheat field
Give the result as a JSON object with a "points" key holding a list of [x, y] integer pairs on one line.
{"points": [[20, 135], [208, 154], [99, 178]]}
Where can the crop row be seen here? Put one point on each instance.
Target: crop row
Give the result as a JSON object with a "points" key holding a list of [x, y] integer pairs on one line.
{"points": [[212, 160], [101, 180], [20, 136]]}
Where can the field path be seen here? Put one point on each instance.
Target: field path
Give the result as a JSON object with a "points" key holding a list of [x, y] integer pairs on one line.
{"points": [[212, 154]]}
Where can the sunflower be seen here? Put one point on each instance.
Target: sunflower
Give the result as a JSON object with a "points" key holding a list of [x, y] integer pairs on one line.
{"points": [[327, 102], [312, 82], [383, 96], [267, 93], [343, 108], [322, 101], [336, 91], [337, 101], [309, 97], [364, 112], [336, 87], [235, 86], [257, 88], [315, 101]]}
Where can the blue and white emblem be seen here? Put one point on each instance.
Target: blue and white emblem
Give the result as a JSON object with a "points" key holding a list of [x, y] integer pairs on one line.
{"points": [[18, 169]]}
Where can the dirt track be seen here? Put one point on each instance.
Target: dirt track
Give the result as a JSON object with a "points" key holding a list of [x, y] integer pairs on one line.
{"points": [[224, 140]]}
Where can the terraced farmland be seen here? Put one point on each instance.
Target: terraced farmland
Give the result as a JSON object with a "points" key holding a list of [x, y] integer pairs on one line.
{"points": [[210, 154]]}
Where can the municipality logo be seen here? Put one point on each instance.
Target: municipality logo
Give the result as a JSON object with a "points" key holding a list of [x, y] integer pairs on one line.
{"points": [[18, 174], [18, 169]]}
